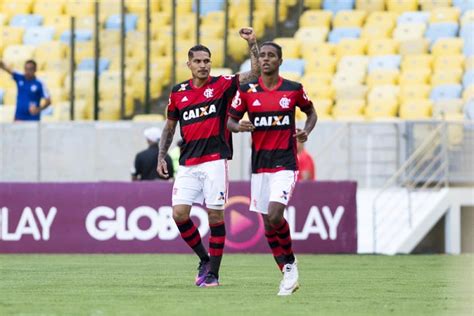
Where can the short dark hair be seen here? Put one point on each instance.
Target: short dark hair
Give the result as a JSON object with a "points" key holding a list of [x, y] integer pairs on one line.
{"points": [[198, 48], [31, 61], [277, 47]]}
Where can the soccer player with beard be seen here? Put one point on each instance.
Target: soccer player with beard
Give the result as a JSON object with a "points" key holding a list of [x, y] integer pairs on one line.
{"points": [[270, 102], [200, 105]]}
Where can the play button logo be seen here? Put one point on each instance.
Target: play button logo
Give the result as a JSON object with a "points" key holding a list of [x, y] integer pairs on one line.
{"points": [[245, 228]]}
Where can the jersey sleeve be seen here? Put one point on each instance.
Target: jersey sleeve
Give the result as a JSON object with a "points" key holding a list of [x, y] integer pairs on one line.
{"points": [[238, 106], [303, 102], [44, 92], [17, 76], [173, 111]]}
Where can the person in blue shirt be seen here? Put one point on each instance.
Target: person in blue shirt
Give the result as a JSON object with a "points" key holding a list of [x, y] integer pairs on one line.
{"points": [[33, 96]]}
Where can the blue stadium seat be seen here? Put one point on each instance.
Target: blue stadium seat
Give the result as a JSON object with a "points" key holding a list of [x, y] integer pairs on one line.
{"points": [[1, 96], [293, 65], [467, 31], [343, 32], [440, 30], [464, 5], [338, 5], [81, 36], [384, 62], [468, 49], [88, 64], [38, 35], [209, 6], [468, 78], [113, 22], [26, 20], [446, 91], [413, 17]]}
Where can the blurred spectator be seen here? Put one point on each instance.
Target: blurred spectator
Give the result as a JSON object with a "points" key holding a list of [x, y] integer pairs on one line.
{"points": [[147, 160], [307, 170], [33, 96]]}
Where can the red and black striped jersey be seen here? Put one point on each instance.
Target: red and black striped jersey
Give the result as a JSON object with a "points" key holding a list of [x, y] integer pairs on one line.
{"points": [[272, 112], [202, 115]]}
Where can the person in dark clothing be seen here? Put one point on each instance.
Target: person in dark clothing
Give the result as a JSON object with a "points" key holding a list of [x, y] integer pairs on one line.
{"points": [[146, 162]]}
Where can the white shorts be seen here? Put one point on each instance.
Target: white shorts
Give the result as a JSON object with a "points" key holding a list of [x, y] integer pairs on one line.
{"points": [[207, 181], [271, 187]]}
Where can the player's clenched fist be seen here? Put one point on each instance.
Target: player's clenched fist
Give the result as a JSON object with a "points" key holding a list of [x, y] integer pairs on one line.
{"points": [[162, 168]]}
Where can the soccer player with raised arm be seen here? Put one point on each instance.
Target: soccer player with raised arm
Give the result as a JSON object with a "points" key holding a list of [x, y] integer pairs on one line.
{"points": [[200, 105], [270, 102]]}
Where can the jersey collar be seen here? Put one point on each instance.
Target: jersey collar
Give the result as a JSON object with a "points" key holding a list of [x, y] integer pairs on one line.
{"points": [[260, 82]]}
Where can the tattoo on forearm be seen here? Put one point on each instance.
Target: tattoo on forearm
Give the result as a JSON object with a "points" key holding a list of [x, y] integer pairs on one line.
{"points": [[165, 141], [254, 71]]}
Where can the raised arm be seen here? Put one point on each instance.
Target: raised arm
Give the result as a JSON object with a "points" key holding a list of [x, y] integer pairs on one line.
{"points": [[165, 142], [248, 34], [5, 67], [311, 119]]}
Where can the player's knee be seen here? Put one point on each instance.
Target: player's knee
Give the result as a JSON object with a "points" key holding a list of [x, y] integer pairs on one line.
{"points": [[180, 215], [274, 219], [215, 217]]}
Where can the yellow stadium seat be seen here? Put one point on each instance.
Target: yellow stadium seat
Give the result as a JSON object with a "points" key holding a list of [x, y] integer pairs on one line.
{"points": [[444, 14], [85, 22], [109, 37], [216, 46], [468, 93], [370, 5], [317, 78], [402, 5], [469, 63], [290, 75], [211, 31], [18, 54], [79, 8], [10, 96], [413, 47], [7, 113], [61, 110], [3, 19], [139, 7], [379, 47], [262, 6], [148, 118], [350, 46], [54, 64], [382, 77], [214, 18], [448, 62], [311, 50], [347, 79], [415, 76], [428, 5], [323, 107], [48, 7], [320, 92], [84, 50], [158, 19], [157, 48], [416, 109], [384, 92], [373, 31], [410, 62], [349, 18], [61, 23], [353, 64], [110, 6], [381, 109], [356, 91], [414, 91], [83, 82], [290, 46], [11, 35], [53, 79], [237, 48], [215, 71], [312, 4], [382, 18], [348, 108], [181, 6], [314, 18], [409, 31], [447, 46], [447, 106], [57, 94], [11, 8], [446, 76], [313, 34], [467, 17], [321, 64], [162, 67]]}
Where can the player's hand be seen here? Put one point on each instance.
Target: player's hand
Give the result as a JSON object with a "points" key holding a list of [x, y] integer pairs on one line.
{"points": [[248, 34], [301, 135], [246, 126], [34, 110], [162, 168]]}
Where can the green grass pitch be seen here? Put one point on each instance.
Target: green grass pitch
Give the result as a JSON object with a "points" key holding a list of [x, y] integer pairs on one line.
{"points": [[163, 285]]}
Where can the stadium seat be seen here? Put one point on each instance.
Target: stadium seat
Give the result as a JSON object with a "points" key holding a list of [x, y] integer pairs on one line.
{"points": [[26, 20], [290, 46], [53, 64], [349, 18], [11, 35], [464, 5], [211, 31], [338, 5], [416, 109], [47, 7], [209, 6], [312, 79], [468, 49], [324, 107], [413, 47], [381, 109], [81, 36], [370, 5], [446, 76], [416, 61], [382, 77], [10, 8], [467, 31], [436, 31], [79, 8], [452, 91], [468, 78], [316, 34], [88, 64], [383, 92], [467, 17], [51, 51], [468, 93], [350, 46], [384, 62], [321, 64], [447, 46], [348, 108], [355, 91], [7, 113], [413, 17], [377, 47], [448, 62], [60, 23], [444, 107], [372, 31], [402, 5], [316, 18], [469, 63], [293, 65], [312, 4], [342, 79], [382, 17], [337, 34], [311, 50], [428, 5], [158, 19], [444, 14], [3, 19], [114, 22], [53, 79], [38, 35], [17, 55], [353, 64], [414, 91], [221, 71], [415, 76], [320, 92], [408, 31]]}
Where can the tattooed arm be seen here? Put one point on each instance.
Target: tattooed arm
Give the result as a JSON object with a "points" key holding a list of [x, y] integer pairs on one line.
{"points": [[248, 34], [165, 142]]}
